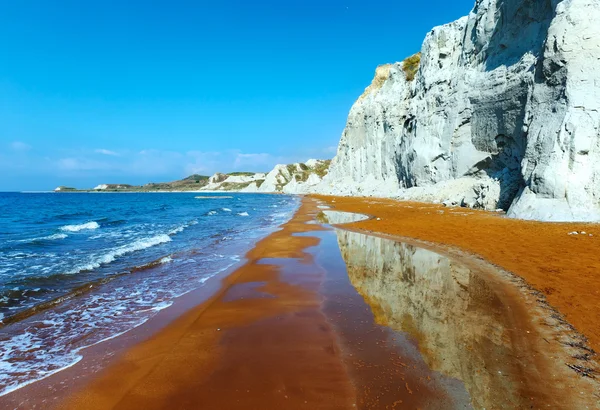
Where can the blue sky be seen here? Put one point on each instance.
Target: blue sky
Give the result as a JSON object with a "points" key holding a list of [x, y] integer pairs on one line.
{"points": [[135, 91]]}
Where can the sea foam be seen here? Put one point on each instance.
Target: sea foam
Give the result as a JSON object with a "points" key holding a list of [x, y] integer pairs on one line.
{"points": [[80, 227], [109, 257], [53, 237], [166, 259], [182, 228], [52, 340]]}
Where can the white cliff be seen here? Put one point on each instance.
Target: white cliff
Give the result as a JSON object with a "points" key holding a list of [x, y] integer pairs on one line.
{"points": [[503, 112], [298, 178]]}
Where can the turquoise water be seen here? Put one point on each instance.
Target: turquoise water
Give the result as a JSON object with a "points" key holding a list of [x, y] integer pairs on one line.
{"points": [[76, 269]]}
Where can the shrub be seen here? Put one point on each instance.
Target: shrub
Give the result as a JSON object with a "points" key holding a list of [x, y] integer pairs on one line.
{"points": [[322, 168], [195, 177], [234, 186], [241, 174], [382, 73], [410, 66]]}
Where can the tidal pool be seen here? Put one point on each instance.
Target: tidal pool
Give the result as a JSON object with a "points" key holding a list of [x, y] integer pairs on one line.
{"points": [[337, 217], [468, 325]]}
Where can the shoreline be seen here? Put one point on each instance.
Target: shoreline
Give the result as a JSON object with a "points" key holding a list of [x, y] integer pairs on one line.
{"points": [[38, 343], [163, 192], [290, 316], [563, 268]]}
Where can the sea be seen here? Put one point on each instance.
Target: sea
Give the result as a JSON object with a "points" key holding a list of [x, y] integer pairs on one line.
{"points": [[80, 268]]}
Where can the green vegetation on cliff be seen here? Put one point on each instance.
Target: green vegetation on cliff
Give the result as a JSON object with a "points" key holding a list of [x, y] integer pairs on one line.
{"points": [[411, 66], [241, 174], [235, 186]]}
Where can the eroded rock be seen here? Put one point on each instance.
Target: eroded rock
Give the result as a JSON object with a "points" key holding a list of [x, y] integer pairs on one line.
{"points": [[502, 113]]}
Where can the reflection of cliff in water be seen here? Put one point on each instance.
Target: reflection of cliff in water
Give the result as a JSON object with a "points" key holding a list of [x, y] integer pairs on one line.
{"points": [[337, 217], [461, 327]]}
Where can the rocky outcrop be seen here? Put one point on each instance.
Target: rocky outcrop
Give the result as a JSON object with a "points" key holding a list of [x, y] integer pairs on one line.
{"points": [[503, 112], [298, 178], [217, 178], [64, 189]]}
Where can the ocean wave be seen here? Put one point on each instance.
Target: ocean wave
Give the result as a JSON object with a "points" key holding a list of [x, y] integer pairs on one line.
{"points": [[9, 382], [108, 314], [212, 213], [177, 230], [14, 297], [214, 197], [138, 245], [121, 295], [183, 227], [80, 227], [162, 306], [53, 237]]}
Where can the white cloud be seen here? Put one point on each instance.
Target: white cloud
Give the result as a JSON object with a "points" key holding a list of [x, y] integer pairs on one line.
{"points": [[20, 146], [82, 164], [199, 162], [151, 162], [252, 160], [106, 152], [158, 165]]}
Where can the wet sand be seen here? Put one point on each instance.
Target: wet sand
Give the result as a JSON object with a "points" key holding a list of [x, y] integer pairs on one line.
{"points": [[564, 268], [265, 341], [324, 319]]}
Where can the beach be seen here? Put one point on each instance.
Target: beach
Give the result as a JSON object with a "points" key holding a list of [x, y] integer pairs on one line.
{"points": [[417, 230], [322, 317], [560, 260]]}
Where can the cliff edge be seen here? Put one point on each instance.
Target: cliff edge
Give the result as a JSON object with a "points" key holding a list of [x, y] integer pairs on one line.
{"points": [[501, 109], [297, 178]]}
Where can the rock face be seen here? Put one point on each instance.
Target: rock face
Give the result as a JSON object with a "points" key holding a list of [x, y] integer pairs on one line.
{"points": [[503, 112], [298, 178], [217, 178]]}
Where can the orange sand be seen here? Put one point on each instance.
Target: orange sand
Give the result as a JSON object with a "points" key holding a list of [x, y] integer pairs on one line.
{"points": [[265, 339], [262, 342], [217, 356], [565, 268]]}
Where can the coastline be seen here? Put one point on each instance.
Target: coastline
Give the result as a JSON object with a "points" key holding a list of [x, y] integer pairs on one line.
{"points": [[51, 336], [563, 268], [153, 192], [288, 329]]}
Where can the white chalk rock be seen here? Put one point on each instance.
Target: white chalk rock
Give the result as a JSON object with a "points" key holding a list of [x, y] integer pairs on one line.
{"points": [[506, 102]]}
